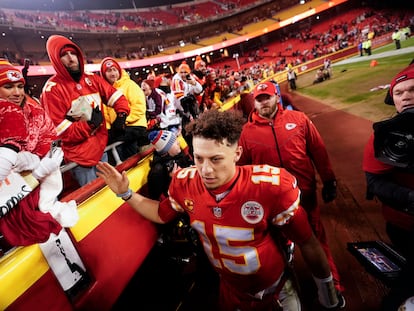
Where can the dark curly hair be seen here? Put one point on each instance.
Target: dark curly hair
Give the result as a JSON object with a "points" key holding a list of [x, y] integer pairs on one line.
{"points": [[217, 125]]}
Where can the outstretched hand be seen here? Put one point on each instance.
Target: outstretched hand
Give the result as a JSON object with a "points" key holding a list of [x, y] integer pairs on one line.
{"points": [[116, 181]]}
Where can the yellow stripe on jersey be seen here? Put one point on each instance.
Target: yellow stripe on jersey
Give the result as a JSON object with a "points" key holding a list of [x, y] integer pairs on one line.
{"points": [[63, 126], [283, 217], [115, 96]]}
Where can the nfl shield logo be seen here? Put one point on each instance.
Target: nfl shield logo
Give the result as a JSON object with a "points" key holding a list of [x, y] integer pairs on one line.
{"points": [[217, 212]]}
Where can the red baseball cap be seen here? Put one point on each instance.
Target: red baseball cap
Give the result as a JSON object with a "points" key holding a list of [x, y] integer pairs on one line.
{"points": [[267, 88]]}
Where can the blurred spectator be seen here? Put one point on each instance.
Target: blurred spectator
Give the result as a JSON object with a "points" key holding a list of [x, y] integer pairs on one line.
{"points": [[135, 135], [154, 103], [168, 158], [185, 88], [291, 77]]}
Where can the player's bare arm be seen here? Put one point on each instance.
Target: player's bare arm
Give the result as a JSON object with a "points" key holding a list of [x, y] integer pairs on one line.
{"points": [[119, 184]]}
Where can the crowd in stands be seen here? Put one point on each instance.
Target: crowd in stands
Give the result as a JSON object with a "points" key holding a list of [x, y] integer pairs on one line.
{"points": [[137, 20], [295, 47], [327, 37], [133, 19]]}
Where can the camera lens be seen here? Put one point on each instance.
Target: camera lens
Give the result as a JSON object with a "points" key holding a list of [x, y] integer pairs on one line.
{"points": [[397, 146]]}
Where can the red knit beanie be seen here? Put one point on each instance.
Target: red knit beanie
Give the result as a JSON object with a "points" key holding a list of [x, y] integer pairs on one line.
{"points": [[406, 74], [150, 83], [184, 67], [9, 73], [108, 63], [199, 61], [68, 48]]}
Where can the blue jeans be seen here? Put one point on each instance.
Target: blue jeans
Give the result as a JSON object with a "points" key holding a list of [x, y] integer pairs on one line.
{"points": [[85, 174]]}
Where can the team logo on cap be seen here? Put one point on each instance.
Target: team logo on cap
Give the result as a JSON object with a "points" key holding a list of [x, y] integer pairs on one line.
{"points": [[109, 64], [262, 87], [14, 75], [399, 79], [252, 212]]}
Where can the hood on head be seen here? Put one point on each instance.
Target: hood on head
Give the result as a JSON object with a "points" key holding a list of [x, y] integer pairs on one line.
{"points": [[53, 47]]}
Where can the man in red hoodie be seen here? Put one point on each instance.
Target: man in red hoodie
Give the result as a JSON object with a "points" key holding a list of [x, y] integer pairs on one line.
{"points": [[74, 100], [289, 139]]}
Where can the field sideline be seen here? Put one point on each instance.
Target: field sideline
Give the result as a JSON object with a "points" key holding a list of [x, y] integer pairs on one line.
{"points": [[353, 79]]}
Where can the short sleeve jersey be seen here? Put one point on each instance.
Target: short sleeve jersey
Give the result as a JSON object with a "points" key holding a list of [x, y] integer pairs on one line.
{"points": [[235, 230]]}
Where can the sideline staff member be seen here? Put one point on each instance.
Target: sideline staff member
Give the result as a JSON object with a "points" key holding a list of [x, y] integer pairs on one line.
{"points": [[392, 183]]}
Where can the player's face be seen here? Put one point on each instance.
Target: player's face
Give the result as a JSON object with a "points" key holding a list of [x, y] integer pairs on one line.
{"points": [[12, 92], [403, 95], [266, 105], [215, 162], [112, 75]]}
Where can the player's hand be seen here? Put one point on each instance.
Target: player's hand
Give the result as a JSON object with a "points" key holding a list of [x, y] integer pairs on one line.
{"points": [[116, 181]]}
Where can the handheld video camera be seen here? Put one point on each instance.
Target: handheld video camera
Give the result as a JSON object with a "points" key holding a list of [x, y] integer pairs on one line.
{"points": [[394, 140]]}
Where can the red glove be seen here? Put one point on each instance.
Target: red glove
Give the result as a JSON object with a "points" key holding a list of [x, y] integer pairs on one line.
{"points": [[152, 123]]}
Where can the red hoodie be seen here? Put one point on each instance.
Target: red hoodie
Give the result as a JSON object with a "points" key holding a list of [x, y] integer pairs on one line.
{"points": [[80, 143]]}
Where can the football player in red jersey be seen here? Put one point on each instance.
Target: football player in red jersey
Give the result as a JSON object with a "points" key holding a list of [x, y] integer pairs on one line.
{"points": [[232, 208]]}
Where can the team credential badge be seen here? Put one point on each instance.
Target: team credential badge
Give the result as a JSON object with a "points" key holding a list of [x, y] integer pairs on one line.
{"points": [[217, 212], [252, 212]]}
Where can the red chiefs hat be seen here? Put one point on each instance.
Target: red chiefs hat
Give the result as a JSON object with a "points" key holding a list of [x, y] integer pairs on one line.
{"points": [[9, 73], [267, 88], [109, 62], [406, 74]]}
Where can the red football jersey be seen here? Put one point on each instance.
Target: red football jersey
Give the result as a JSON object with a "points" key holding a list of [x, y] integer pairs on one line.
{"points": [[235, 230]]}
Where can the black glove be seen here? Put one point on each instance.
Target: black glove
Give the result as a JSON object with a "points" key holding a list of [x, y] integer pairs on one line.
{"points": [[96, 118], [329, 191], [118, 126]]}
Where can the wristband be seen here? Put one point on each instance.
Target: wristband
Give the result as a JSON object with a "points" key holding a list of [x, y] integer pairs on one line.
{"points": [[326, 292], [126, 195]]}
